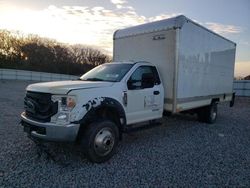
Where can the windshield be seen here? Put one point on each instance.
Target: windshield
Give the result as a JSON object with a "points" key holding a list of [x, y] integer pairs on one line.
{"points": [[110, 72]]}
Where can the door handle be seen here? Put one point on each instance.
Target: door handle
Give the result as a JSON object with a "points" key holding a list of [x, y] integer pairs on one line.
{"points": [[156, 92]]}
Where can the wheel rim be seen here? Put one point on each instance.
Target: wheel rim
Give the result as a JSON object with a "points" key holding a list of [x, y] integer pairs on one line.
{"points": [[104, 142], [214, 113]]}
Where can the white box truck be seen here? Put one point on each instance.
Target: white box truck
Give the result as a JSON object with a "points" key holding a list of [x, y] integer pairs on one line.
{"points": [[173, 65], [195, 64]]}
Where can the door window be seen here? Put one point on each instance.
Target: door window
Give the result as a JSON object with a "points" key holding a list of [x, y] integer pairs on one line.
{"points": [[136, 78]]}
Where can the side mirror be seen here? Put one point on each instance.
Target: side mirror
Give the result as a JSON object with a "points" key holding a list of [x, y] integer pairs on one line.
{"points": [[131, 85], [147, 80]]}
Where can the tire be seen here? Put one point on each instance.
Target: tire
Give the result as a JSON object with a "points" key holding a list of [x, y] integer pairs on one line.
{"points": [[100, 140], [166, 113], [208, 114]]}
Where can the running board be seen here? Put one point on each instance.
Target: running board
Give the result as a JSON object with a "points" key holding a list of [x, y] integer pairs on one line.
{"points": [[141, 126]]}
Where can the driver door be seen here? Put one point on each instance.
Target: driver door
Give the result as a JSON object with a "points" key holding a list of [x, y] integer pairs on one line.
{"points": [[144, 102]]}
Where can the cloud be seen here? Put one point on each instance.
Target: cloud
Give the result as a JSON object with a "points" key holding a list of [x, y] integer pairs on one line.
{"points": [[163, 16], [223, 29], [118, 2], [245, 43], [72, 24], [82, 24], [121, 4]]}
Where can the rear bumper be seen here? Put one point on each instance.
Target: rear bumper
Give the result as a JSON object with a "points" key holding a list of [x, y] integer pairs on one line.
{"points": [[50, 131]]}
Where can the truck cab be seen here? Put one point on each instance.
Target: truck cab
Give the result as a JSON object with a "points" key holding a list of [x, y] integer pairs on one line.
{"points": [[95, 109]]}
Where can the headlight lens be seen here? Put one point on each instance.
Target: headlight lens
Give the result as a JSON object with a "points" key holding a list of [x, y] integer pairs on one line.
{"points": [[65, 103], [65, 106]]}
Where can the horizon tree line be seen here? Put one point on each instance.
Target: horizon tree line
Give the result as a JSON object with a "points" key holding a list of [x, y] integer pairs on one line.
{"points": [[31, 52]]}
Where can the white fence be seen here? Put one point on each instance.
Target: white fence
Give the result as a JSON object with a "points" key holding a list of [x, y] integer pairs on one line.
{"points": [[13, 74], [242, 87]]}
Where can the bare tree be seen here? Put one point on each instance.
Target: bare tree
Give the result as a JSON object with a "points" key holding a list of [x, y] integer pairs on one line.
{"points": [[32, 52]]}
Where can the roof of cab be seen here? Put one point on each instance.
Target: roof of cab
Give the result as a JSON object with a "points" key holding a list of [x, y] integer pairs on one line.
{"points": [[175, 22]]}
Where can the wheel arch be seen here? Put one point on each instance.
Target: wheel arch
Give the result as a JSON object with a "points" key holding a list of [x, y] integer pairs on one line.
{"points": [[106, 108]]}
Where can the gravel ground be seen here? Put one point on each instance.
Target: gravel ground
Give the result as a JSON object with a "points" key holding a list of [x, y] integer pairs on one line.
{"points": [[180, 152]]}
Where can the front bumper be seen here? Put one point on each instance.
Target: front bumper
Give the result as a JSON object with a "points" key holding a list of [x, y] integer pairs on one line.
{"points": [[50, 131]]}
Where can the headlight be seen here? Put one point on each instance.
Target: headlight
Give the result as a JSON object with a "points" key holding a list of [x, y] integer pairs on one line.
{"points": [[65, 106], [65, 103]]}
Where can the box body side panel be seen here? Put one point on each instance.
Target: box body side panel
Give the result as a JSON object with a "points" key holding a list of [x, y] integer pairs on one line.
{"points": [[206, 63]]}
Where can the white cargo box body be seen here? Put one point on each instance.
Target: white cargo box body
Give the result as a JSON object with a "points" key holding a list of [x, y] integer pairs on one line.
{"points": [[195, 64]]}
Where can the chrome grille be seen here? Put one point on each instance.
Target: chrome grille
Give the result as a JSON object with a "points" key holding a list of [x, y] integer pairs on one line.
{"points": [[39, 106]]}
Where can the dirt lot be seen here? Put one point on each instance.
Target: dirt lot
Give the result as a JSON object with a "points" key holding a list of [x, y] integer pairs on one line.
{"points": [[180, 152]]}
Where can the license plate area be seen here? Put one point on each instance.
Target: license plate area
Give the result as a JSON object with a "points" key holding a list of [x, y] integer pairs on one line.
{"points": [[28, 128]]}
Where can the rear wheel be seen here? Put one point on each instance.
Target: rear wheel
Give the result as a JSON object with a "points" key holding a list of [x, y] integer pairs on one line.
{"points": [[208, 114], [166, 113], [100, 140]]}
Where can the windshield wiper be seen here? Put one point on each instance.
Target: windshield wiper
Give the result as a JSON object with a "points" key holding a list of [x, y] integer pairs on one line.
{"points": [[97, 79], [94, 79]]}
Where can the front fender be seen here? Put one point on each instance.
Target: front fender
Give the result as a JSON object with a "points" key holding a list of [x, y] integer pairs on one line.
{"points": [[97, 103]]}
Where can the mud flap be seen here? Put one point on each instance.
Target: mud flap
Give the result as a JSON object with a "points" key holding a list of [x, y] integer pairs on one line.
{"points": [[232, 101]]}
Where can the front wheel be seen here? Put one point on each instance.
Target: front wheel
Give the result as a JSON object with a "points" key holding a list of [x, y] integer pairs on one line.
{"points": [[100, 140]]}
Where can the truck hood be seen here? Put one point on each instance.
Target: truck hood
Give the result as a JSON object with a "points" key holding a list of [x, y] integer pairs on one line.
{"points": [[63, 87]]}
